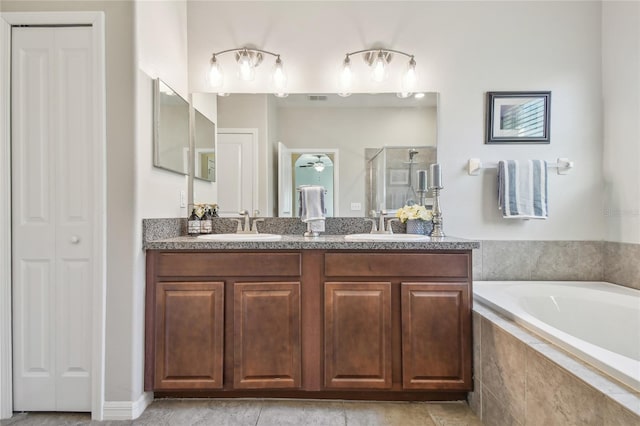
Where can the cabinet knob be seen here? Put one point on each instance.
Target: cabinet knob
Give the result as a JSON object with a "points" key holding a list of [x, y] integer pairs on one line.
{"points": [[75, 239]]}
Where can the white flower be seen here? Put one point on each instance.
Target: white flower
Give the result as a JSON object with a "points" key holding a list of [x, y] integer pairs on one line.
{"points": [[414, 212]]}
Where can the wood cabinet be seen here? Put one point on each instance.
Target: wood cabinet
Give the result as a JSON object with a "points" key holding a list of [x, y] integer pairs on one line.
{"points": [[188, 335], [432, 313], [309, 324], [266, 319], [435, 335], [357, 327]]}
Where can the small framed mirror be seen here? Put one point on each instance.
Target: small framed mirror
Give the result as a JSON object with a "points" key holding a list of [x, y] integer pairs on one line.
{"points": [[205, 147], [170, 129]]}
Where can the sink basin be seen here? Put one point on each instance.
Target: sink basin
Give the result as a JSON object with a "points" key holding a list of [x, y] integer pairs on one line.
{"points": [[241, 237], [386, 237]]}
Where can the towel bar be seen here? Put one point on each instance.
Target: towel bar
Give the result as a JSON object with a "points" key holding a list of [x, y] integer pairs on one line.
{"points": [[298, 189], [474, 165]]}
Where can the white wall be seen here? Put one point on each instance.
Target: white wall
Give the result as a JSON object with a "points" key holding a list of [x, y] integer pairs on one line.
{"points": [[463, 49], [351, 131], [161, 52], [621, 93]]}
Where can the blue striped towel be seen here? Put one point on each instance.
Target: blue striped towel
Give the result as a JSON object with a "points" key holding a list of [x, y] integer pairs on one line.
{"points": [[522, 189]]}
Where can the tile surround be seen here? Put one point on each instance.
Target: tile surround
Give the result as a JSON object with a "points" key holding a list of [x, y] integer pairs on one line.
{"points": [[558, 388], [555, 397], [617, 263], [622, 264], [502, 364]]}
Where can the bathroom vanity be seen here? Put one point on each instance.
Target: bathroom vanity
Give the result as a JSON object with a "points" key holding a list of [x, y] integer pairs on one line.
{"points": [[309, 318]]}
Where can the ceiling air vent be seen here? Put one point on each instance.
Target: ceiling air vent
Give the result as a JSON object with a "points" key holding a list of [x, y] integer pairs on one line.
{"points": [[317, 97]]}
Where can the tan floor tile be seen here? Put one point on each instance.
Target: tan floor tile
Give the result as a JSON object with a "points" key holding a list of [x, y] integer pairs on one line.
{"points": [[296, 413], [453, 414], [387, 414]]}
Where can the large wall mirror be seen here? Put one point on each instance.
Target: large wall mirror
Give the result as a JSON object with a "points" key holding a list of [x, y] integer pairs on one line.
{"points": [[313, 127], [170, 129]]}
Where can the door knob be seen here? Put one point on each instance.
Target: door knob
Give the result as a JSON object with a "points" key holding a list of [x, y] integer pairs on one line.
{"points": [[75, 239]]}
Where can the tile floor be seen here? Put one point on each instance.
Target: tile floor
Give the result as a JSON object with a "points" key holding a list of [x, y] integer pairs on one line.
{"points": [[178, 412]]}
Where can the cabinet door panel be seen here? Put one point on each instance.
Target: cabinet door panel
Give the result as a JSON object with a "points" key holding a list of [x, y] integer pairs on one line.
{"points": [[435, 336], [267, 335], [357, 327], [189, 335]]}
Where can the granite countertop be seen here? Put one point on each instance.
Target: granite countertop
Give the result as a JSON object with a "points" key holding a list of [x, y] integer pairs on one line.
{"points": [[298, 242]]}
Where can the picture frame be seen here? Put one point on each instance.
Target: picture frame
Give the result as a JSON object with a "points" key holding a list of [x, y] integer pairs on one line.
{"points": [[398, 177], [518, 117]]}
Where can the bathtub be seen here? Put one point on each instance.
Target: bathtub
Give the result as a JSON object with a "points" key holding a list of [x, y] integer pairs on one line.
{"points": [[597, 322]]}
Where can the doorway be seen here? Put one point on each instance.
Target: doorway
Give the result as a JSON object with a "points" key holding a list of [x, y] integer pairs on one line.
{"points": [[237, 174], [54, 185]]}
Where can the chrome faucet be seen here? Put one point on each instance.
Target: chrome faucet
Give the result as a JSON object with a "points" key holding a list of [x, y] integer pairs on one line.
{"points": [[244, 217], [380, 229]]}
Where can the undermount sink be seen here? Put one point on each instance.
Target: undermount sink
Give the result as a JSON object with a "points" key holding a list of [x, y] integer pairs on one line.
{"points": [[386, 237], [241, 237]]}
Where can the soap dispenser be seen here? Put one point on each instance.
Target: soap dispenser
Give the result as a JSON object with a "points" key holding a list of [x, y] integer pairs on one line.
{"points": [[206, 223], [193, 224]]}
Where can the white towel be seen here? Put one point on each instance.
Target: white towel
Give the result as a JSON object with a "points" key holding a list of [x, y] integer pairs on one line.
{"points": [[522, 189], [312, 206]]}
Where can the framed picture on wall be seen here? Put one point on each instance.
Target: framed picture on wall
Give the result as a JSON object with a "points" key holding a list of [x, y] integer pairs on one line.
{"points": [[518, 117]]}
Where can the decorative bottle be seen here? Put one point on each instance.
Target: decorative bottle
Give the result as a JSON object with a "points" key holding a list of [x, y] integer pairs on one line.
{"points": [[193, 224], [206, 224]]}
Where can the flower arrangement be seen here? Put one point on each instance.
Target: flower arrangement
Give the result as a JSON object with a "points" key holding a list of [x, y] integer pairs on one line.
{"points": [[412, 212]]}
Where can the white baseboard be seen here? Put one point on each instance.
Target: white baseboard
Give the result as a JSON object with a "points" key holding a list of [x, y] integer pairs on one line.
{"points": [[127, 410]]}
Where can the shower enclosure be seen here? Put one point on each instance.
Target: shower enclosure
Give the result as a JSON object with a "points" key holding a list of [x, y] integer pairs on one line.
{"points": [[392, 176]]}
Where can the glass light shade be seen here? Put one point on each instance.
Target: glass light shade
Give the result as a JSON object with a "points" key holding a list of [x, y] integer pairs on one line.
{"points": [[319, 166], [247, 70], [346, 78], [215, 76], [379, 68], [279, 77], [409, 78]]}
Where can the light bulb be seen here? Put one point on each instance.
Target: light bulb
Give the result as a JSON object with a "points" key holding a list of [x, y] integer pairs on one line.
{"points": [[216, 78], [247, 71], [379, 68], [346, 77], [409, 79], [279, 77]]}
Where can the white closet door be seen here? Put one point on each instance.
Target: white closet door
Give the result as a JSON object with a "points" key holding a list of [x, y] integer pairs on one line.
{"points": [[52, 103], [237, 164]]}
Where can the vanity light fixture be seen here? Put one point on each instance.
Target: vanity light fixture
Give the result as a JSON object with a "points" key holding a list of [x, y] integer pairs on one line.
{"points": [[248, 58], [378, 60]]}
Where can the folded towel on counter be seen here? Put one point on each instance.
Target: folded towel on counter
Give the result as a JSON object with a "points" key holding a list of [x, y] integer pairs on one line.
{"points": [[522, 189], [311, 203]]}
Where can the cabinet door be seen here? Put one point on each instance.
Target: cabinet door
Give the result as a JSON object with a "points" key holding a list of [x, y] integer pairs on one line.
{"points": [[266, 335], [436, 343], [189, 335], [357, 332]]}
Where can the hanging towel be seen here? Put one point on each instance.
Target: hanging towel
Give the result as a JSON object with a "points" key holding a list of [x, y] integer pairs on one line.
{"points": [[522, 189], [312, 206]]}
